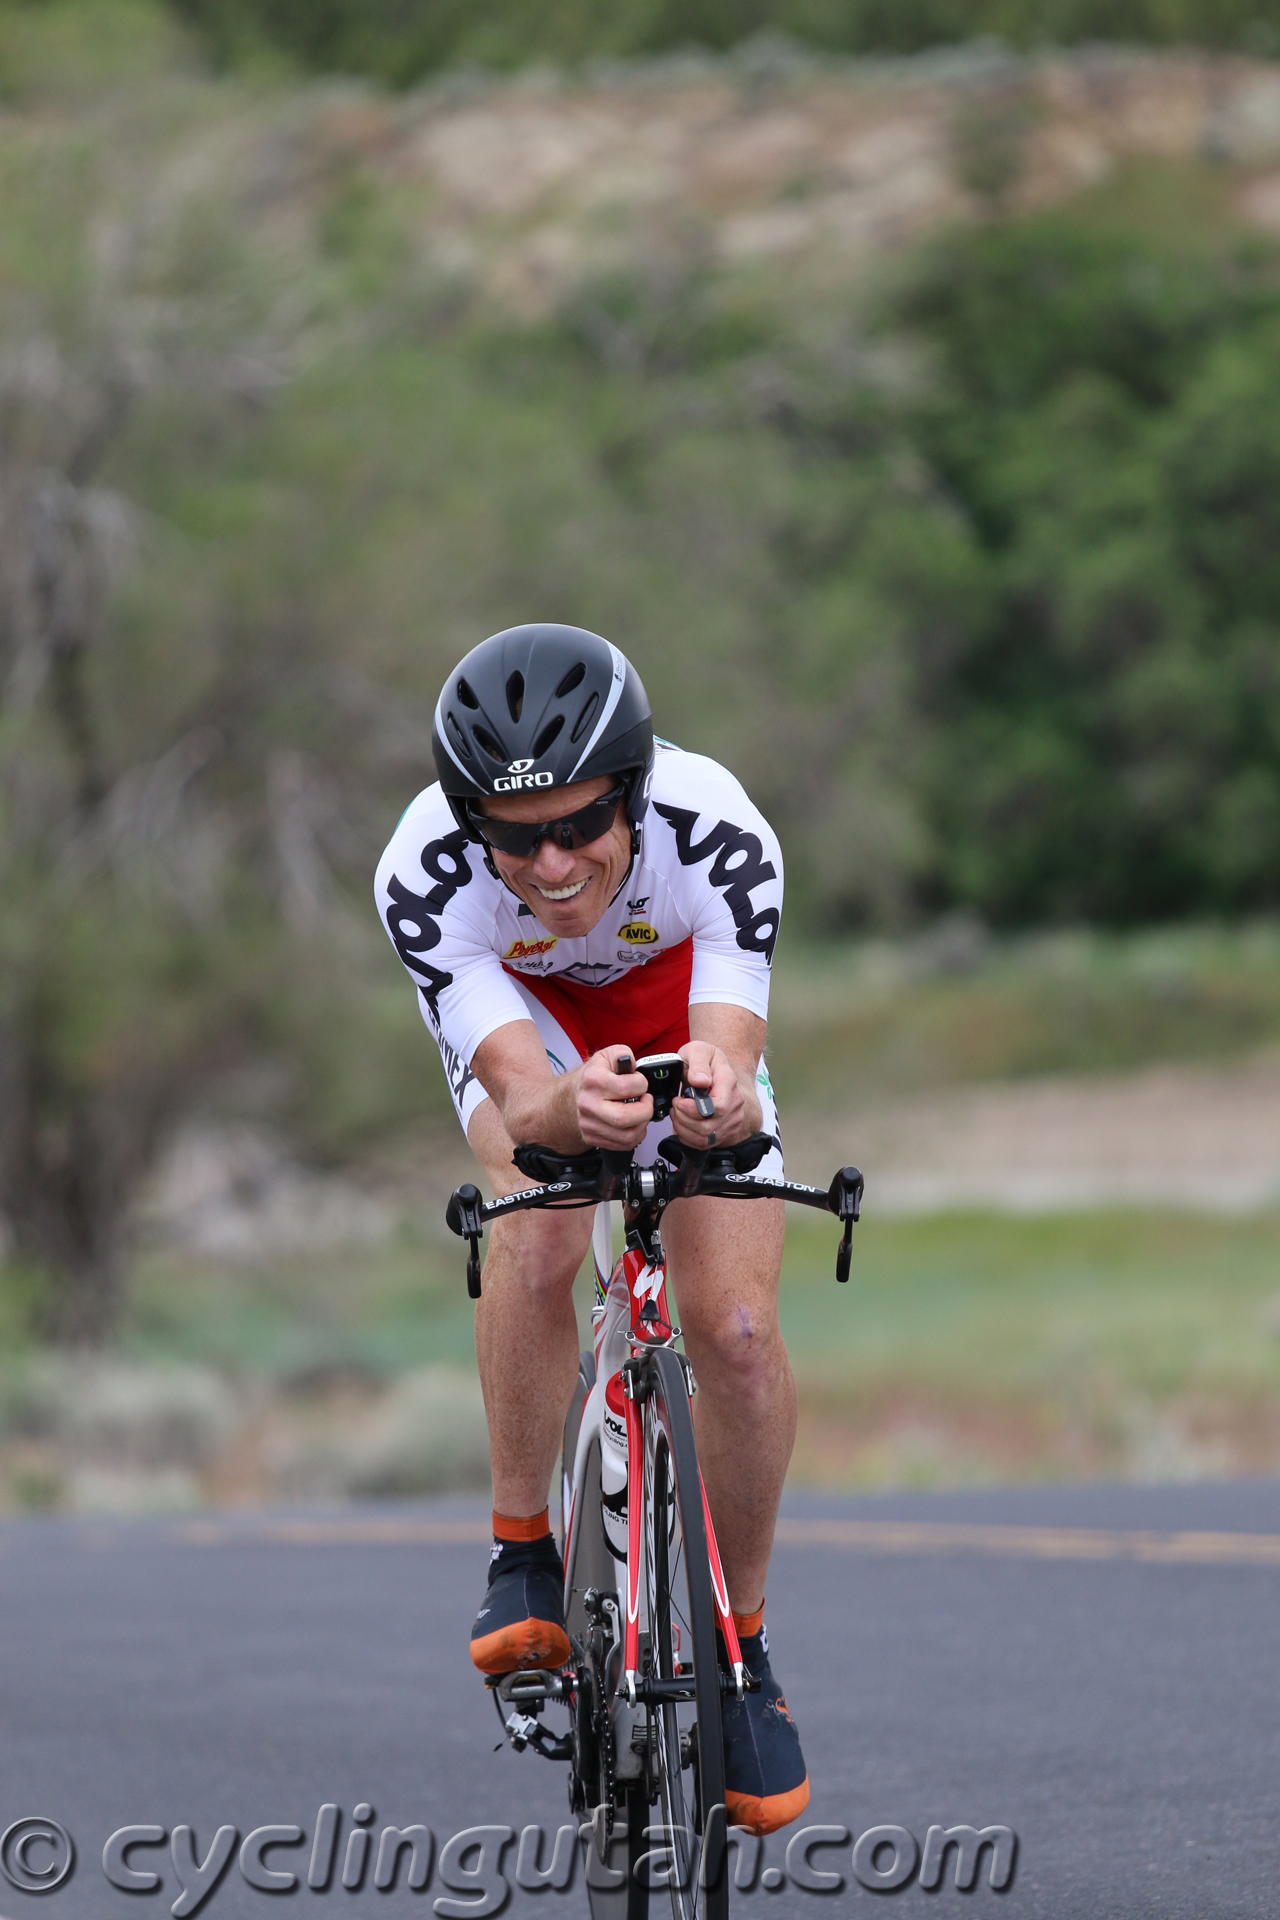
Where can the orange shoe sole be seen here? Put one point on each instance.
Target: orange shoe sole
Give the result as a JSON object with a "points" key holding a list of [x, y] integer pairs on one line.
{"points": [[766, 1815], [530, 1643]]}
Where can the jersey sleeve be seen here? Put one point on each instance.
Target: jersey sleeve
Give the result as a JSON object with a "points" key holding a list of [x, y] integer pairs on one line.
{"points": [[729, 866], [435, 901]]}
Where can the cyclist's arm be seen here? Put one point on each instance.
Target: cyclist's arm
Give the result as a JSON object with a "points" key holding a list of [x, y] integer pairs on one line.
{"points": [[722, 1054], [568, 1111]]}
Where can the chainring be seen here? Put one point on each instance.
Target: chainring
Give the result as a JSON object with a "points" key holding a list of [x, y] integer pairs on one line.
{"points": [[593, 1744], [592, 1785]]}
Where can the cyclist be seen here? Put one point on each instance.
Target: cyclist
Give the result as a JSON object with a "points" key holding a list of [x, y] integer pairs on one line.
{"points": [[572, 892]]}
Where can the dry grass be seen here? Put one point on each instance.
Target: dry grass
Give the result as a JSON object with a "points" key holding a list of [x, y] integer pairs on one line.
{"points": [[978, 1347]]}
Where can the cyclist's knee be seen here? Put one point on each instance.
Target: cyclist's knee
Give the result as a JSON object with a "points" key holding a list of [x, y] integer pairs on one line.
{"points": [[742, 1344]]}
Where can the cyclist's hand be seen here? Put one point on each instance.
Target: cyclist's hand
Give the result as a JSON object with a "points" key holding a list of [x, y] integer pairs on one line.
{"points": [[706, 1068], [604, 1115]]}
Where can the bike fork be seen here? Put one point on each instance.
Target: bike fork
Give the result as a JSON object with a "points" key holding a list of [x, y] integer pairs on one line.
{"points": [[719, 1586], [635, 1500]]}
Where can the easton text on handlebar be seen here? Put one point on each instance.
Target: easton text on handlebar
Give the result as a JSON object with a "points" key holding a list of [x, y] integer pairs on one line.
{"points": [[584, 1179]]}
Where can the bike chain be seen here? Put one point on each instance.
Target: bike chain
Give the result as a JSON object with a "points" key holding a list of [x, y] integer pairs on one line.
{"points": [[604, 1747]]}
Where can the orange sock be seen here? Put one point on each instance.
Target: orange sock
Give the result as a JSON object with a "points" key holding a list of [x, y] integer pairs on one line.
{"points": [[749, 1624], [536, 1527]]}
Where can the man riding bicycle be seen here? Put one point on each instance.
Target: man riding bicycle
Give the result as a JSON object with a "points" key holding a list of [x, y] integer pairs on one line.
{"points": [[572, 894]]}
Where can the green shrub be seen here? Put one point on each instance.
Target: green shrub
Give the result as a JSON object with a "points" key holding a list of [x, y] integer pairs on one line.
{"points": [[1103, 711], [400, 41]]}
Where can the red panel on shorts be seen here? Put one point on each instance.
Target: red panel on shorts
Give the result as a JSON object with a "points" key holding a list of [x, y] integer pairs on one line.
{"points": [[647, 1010]]}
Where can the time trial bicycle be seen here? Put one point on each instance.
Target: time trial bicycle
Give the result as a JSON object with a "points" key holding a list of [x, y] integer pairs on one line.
{"points": [[645, 1595]]}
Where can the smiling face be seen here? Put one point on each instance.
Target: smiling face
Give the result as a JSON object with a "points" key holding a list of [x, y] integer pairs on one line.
{"points": [[568, 891]]}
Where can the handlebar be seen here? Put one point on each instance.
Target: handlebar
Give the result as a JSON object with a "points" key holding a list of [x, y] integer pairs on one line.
{"points": [[585, 1179]]}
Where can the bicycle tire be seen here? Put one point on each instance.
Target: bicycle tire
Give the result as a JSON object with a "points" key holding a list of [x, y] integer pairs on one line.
{"points": [[670, 1439], [626, 1850], [594, 1566]]}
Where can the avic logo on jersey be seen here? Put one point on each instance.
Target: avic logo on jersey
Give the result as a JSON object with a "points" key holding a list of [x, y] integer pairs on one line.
{"points": [[638, 933], [530, 949]]}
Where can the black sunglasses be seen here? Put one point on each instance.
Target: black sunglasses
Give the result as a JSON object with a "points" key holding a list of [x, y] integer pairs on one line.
{"points": [[520, 838]]}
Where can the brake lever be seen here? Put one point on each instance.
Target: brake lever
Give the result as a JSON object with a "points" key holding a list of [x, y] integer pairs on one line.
{"points": [[844, 1197], [695, 1159], [462, 1215]]}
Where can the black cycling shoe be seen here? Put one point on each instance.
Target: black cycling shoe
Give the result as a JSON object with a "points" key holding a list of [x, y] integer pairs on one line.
{"points": [[521, 1623], [766, 1781]]}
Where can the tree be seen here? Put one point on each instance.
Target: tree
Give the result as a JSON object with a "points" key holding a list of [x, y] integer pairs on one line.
{"points": [[1102, 704], [173, 837], [108, 1010]]}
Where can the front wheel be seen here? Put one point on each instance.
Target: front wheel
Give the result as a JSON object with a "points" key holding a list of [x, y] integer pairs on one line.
{"points": [[616, 1890], [688, 1737]]}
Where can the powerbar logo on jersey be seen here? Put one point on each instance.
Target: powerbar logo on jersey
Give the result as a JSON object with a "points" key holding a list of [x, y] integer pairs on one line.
{"points": [[518, 776], [530, 949], [738, 867], [638, 933], [411, 916]]}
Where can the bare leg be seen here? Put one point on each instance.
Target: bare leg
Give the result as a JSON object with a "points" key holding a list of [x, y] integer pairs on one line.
{"points": [[726, 1256], [526, 1328]]}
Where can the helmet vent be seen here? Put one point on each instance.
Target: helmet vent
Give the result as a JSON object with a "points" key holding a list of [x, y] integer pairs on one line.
{"points": [[494, 748], [466, 696], [515, 695], [547, 735], [574, 678], [460, 739], [585, 718]]}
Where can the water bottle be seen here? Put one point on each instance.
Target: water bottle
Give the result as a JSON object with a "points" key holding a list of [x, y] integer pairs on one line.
{"points": [[613, 1467]]}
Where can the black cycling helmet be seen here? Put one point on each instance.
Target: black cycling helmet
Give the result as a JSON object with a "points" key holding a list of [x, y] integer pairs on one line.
{"points": [[542, 706]]}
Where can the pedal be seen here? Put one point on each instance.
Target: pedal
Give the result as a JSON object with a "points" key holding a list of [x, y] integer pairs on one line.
{"points": [[526, 1692], [523, 1731], [529, 1688]]}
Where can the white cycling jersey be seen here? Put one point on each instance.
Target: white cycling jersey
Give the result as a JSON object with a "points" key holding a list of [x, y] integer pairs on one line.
{"points": [[708, 873]]}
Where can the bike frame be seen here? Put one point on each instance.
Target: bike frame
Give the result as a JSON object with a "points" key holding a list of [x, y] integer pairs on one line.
{"points": [[649, 1286], [651, 1365]]}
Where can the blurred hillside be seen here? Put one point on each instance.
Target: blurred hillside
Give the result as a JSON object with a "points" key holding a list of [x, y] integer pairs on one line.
{"points": [[402, 40], [913, 424]]}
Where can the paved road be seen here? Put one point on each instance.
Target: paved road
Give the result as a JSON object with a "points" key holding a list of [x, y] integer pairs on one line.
{"points": [[1096, 1668]]}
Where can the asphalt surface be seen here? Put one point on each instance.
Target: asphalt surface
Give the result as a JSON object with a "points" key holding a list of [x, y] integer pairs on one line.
{"points": [[1102, 1679]]}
